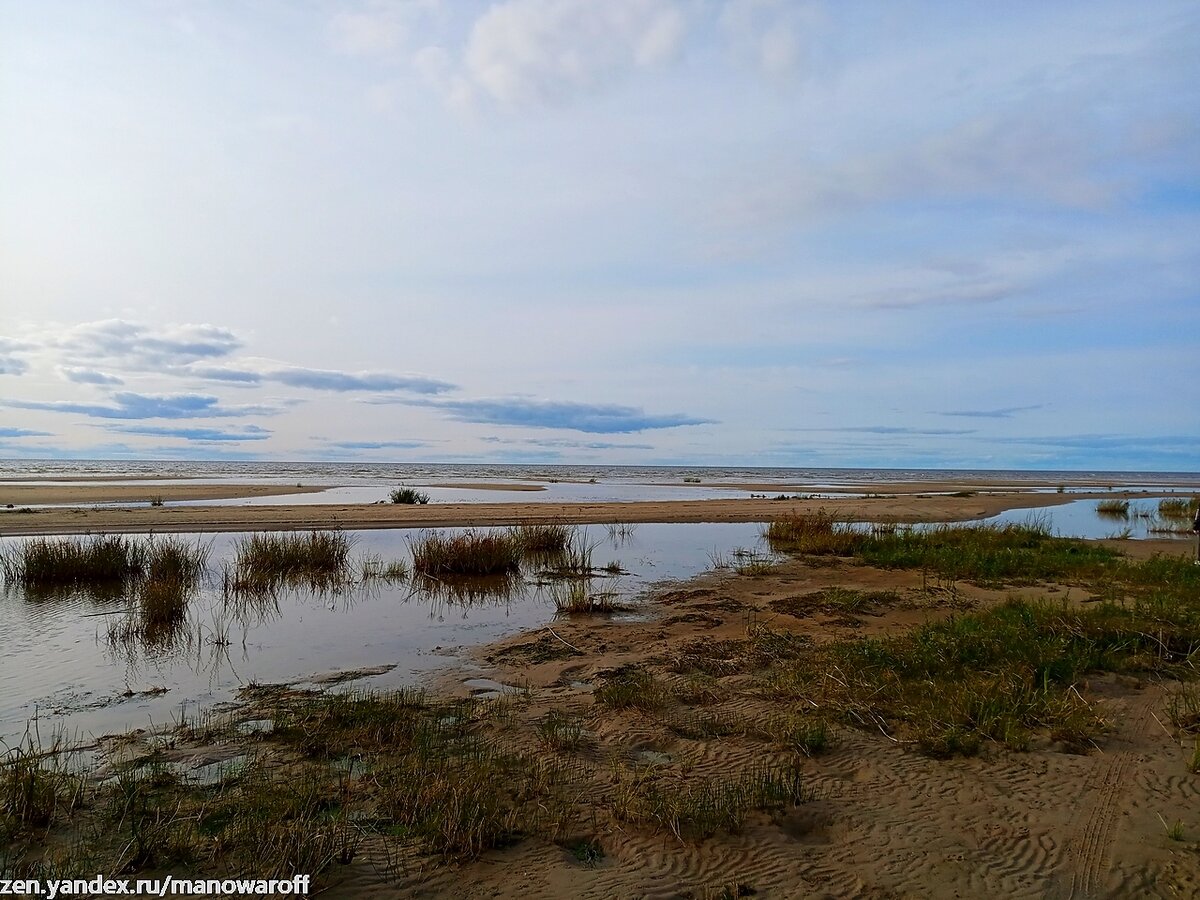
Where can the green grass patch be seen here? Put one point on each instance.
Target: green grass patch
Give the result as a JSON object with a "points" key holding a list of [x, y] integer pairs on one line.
{"points": [[1118, 509], [409, 496]]}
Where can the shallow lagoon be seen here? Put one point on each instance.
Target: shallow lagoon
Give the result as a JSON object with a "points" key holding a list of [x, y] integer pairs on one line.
{"points": [[58, 664]]}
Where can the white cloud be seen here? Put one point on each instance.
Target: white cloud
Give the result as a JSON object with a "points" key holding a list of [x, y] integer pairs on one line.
{"points": [[525, 52]]}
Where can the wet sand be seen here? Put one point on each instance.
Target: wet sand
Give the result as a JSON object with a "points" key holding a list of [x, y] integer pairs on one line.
{"points": [[900, 508], [92, 491]]}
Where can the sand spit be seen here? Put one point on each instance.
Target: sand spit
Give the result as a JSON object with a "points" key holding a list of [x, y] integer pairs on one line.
{"points": [[85, 493], [884, 508]]}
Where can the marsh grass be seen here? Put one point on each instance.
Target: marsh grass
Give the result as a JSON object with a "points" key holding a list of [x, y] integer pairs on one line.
{"points": [[996, 675], [542, 539], [1183, 707], [35, 789], [469, 553], [574, 561], [817, 534], [986, 554], [47, 564], [561, 731], [408, 495], [1179, 508], [266, 562], [1118, 509], [577, 597], [799, 732], [372, 566], [620, 532]]}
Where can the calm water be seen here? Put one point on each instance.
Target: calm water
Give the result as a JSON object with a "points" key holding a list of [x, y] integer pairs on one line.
{"points": [[59, 664]]}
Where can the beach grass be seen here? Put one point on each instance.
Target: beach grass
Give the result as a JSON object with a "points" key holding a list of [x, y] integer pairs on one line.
{"points": [[46, 563], [542, 539], [1179, 508], [409, 496], [469, 553], [1118, 509], [264, 562]]}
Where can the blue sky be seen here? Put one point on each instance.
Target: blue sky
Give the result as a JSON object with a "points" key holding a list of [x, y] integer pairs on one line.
{"points": [[746, 232]]}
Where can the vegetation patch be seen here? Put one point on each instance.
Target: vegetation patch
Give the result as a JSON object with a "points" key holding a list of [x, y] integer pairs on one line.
{"points": [[264, 562], [701, 807], [408, 496], [469, 553], [631, 687]]}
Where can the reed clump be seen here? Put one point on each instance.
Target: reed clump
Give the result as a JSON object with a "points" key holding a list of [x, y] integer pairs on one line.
{"points": [[577, 598], [469, 553], [542, 538], [45, 563], [817, 534], [1118, 509], [266, 561], [1179, 508]]}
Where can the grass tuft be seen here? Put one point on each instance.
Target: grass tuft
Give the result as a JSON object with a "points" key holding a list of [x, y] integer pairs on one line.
{"points": [[408, 495], [469, 553], [265, 562], [1118, 509]]}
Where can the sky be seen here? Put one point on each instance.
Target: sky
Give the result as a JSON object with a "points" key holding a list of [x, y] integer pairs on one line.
{"points": [[693, 232]]}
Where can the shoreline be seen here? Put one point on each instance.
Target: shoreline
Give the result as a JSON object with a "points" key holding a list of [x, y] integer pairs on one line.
{"points": [[911, 508], [82, 494]]}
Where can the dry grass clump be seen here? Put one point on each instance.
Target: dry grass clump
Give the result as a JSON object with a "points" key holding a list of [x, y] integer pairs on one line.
{"points": [[469, 553]]}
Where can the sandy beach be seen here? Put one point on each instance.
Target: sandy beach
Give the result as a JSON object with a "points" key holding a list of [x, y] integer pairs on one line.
{"points": [[886, 507], [96, 491], [880, 814]]}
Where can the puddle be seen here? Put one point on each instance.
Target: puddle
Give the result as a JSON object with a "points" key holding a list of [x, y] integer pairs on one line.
{"points": [[652, 757], [62, 664]]}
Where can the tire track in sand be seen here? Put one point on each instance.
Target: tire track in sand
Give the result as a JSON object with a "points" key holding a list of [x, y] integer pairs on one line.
{"points": [[1106, 783]]}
